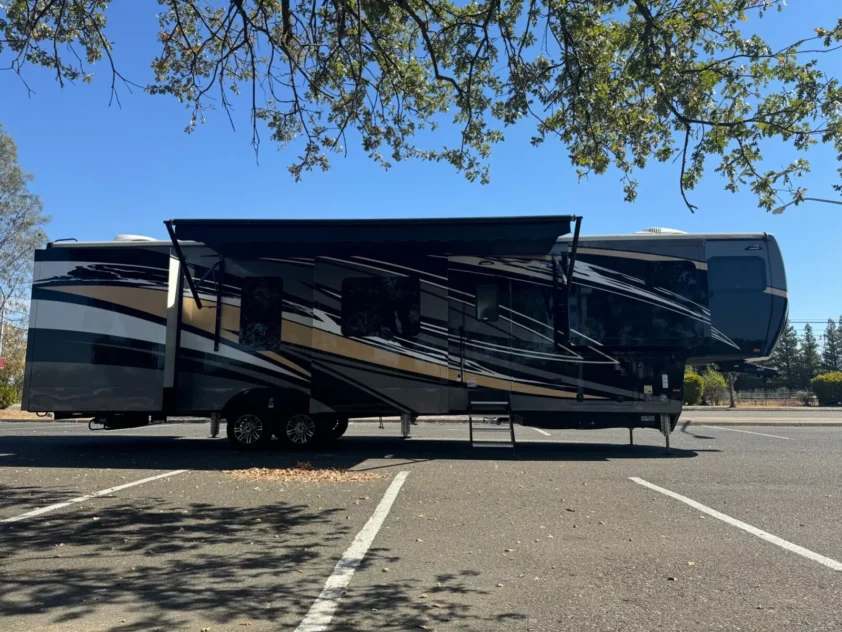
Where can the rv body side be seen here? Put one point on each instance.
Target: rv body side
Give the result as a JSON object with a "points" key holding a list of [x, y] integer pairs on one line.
{"points": [[115, 331]]}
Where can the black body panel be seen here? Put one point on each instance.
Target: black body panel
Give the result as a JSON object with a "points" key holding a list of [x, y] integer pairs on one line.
{"points": [[422, 333]]}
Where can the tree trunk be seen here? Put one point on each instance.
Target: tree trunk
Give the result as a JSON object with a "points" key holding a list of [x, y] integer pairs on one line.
{"points": [[731, 402]]}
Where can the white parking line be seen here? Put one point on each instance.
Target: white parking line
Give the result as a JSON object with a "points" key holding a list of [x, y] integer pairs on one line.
{"points": [[762, 434], [321, 612], [46, 422], [543, 432], [79, 499], [41, 426], [784, 544]]}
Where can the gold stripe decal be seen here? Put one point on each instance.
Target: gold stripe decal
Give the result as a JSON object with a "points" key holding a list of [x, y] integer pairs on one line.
{"points": [[775, 292], [152, 302]]}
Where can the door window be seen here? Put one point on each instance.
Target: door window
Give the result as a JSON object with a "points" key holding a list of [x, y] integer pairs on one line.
{"points": [[261, 312]]}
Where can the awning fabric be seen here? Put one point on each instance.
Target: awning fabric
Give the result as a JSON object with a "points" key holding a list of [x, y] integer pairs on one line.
{"points": [[528, 235]]}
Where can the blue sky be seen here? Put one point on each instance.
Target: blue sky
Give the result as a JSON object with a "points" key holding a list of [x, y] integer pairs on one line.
{"points": [[104, 170]]}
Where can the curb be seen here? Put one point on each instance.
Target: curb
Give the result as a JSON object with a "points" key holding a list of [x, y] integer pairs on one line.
{"points": [[85, 420], [809, 410], [767, 424]]}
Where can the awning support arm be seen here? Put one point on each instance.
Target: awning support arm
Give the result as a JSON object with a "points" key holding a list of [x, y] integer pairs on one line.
{"points": [[574, 246], [209, 272], [218, 323], [181, 260], [568, 286]]}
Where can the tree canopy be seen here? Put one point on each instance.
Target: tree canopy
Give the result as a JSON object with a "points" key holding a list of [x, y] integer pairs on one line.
{"points": [[22, 224], [618, 82]]}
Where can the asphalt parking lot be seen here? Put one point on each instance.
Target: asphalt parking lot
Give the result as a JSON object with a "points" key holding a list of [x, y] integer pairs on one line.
{"points": [[144, 529]]}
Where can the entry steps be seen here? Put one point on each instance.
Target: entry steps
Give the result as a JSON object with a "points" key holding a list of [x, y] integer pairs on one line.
{"points": [[490, 423]]}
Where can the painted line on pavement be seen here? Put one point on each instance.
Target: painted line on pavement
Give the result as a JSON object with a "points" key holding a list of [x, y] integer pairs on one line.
{"points": [[763, 535], [762, 434], [79, 499], [322, 611], [41, 424], [543, 432], [22, 428]]}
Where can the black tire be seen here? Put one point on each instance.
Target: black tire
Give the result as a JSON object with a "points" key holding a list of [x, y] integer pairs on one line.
{"points": [[248, 429], [336, 428], [298, 431]]}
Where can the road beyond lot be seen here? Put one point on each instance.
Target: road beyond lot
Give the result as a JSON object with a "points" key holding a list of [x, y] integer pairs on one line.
{"points": [[800, 416], [565, 536]]}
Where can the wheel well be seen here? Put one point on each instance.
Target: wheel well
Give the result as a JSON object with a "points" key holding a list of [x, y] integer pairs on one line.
{"points": [[266, 399]]}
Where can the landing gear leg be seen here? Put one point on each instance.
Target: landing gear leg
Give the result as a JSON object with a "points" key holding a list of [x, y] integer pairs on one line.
{"points": [[406, 420], [666, 429], [214, 425]]}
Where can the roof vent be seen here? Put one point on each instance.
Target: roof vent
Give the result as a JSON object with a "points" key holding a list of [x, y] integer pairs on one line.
{"points": [[660, 231], [134, 238]]}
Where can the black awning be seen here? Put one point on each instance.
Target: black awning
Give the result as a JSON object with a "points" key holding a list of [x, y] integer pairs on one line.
{"points": [[458, 236]]}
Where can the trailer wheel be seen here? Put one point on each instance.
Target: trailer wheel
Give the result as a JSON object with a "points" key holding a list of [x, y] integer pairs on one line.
{"points": [[248, 430], [299, 430]]}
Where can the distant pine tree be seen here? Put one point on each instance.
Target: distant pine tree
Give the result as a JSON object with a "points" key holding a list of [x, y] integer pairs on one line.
{"points": [[832, 351], [787, 359], [810, 359]]}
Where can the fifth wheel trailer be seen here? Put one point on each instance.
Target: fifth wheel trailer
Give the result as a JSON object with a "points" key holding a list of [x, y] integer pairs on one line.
{"points": [[290, 327]]}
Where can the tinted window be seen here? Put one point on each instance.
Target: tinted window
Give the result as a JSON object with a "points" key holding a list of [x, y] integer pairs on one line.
{"points": [[381, 306], [261, 312], [638, 303], [532, 315], [739, 308], [679, 277], [488, 303], [736, 274]]}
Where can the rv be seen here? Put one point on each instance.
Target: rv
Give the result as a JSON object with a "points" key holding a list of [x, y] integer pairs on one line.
{"points": [[291, 327]]}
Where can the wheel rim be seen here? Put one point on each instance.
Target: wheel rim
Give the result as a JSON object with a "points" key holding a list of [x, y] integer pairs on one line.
{"points": [[248, 429], [301, 429]]}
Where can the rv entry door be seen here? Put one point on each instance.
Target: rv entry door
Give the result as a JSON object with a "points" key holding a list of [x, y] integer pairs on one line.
{"points": [[480, 329]]}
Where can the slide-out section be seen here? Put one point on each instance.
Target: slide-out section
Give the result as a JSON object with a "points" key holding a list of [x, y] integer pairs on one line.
{"points": [[97, 329]]}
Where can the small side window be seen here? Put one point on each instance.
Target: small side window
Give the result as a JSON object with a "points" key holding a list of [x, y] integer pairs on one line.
{"points": [[261, 313], [488, 303], [736, 274]]}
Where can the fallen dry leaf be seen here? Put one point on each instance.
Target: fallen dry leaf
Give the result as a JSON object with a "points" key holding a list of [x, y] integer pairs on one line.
{"points": [[303, 472]]}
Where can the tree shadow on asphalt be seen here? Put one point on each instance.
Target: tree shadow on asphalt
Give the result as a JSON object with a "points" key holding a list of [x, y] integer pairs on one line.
{"points": [[12, 498], [152, 565], [159, 562], [170, 452]]}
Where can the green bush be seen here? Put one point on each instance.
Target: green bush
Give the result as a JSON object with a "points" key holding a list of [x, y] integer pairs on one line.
{"points": [[693, 387], [8, 396], [715, 387], [828, 388]]}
